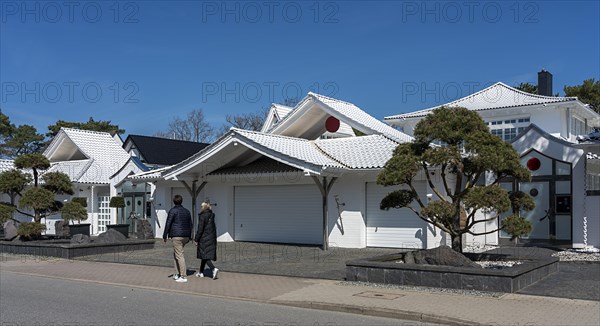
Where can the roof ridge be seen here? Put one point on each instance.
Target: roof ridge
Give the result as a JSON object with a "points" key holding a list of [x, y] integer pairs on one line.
{"points": [[86, 131], [331, 98], [238, 130], [535, 95], [279, 104], [322, 151], [340, 139], [550, 99]]}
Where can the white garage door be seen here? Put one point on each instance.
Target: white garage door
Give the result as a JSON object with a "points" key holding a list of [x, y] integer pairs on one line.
{"points": [[394, 228], [281, 214]]}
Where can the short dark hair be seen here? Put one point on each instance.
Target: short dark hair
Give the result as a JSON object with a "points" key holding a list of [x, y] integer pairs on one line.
{"points": [[177, 199]]}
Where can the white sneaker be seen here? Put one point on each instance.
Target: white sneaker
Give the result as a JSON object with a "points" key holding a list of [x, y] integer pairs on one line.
{"points": [[175, 277], [199, 274], [215, 272], [181, 280]]}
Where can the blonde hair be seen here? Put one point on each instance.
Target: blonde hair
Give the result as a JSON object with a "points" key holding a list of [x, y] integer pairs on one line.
{"points": [[205, 206]]}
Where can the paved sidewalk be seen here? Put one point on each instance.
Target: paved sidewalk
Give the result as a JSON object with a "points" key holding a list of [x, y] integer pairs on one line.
{"points": [[508, 309], [257, 258]]}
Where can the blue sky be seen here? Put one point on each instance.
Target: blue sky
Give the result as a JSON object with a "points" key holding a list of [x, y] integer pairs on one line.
{"points": [[141, 63]]}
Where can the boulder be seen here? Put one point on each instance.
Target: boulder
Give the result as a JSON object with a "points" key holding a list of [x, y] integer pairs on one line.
{"points": [[144, 230], [409, 258], [442, 255], [110, 236], [62, 228], [80, 239], [10, 230]]}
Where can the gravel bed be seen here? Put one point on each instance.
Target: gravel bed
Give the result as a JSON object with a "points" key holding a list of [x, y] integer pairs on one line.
{"points": [[476, 248], [588, 254], [424, 289], [498, 264]]}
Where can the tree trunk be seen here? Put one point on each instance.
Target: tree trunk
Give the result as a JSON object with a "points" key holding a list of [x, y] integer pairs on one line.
{"points": [[457, 243], [456, 236]]}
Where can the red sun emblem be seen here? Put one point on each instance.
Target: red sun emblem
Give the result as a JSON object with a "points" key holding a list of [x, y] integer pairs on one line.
{"points": [[332, 124], [533, 164]]}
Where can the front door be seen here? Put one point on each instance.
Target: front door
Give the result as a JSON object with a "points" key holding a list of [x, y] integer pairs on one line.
{"points": [[134, 210], [541, 217]]}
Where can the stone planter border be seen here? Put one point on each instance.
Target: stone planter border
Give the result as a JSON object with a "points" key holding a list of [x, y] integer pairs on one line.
{"points": [[64, 249], [384, 269]]}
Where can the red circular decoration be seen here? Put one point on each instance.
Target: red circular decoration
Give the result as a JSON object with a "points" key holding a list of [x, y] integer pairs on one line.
{"points": [[332, 124], [533, 163]]}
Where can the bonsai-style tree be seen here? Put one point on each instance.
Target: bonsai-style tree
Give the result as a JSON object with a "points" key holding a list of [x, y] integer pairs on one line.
{"points": [[6, 212], [467, 152], [12, 183], [73, 211], [118, 202], [513, 224], [39, 198], [81, 200]]}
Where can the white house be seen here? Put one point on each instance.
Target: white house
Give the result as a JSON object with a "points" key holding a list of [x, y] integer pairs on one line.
{"points": [[543, 129], [90, 159], [288, 184]]}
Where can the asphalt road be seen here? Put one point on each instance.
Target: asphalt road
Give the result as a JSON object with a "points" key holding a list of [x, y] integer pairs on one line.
{"points": [[30, 300]]}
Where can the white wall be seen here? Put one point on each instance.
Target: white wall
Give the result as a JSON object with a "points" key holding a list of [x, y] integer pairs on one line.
{"points": [[557, 150], [553, 122], [347, 223], [592, 214]]}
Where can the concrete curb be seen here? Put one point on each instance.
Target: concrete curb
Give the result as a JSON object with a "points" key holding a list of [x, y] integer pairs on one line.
{"points": [[377, 312]]}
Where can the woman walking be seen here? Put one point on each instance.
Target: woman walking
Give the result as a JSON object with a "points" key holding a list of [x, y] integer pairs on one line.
{"points": [[206, 240]]}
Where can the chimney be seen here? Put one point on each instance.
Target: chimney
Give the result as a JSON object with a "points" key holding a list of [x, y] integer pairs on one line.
{"points": [[544, 83]]}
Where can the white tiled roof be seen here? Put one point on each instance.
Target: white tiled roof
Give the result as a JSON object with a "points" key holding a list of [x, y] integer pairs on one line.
{"points": [[363, 152], [282, 110], [496, 96], [6, 165], [105, 156], [362, 118], [74, 169], [150, 175], [298, 148]]}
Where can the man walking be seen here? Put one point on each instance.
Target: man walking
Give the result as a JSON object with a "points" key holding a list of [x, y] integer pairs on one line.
{"points": [[179, 229]]}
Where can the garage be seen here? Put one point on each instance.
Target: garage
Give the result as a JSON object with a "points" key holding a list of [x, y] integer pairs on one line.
{"points": [[395, 228], [280, 214]]}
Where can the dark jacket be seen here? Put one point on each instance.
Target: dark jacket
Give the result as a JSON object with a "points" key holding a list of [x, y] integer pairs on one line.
{"points": [[179, 223], [207, 236]]}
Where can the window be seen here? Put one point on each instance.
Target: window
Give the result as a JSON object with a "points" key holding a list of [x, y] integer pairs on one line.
{"points": [[509, 128], [578, 127], [103, 213], [510, 133], [592, 176]]}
